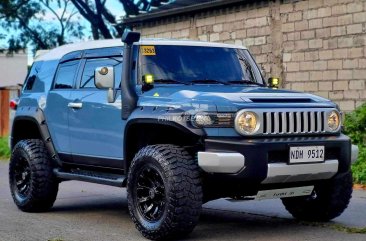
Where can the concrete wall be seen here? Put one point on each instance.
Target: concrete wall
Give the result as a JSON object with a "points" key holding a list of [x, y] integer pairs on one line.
{"points": [[316, 46]]}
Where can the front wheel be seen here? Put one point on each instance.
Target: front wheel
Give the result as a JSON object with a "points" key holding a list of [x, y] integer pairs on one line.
{"points": [[164, 192], [328, 200]]}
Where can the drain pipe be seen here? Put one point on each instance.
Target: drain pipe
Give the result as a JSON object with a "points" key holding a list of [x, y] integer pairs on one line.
{"points": [[128, 89]]}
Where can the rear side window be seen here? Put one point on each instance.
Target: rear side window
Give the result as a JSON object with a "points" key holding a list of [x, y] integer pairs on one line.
{"points": [[87, 80], [66, 74], [32, 77]]}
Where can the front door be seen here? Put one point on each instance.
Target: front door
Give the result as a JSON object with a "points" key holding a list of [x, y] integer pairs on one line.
{"points": [[95, 126]]}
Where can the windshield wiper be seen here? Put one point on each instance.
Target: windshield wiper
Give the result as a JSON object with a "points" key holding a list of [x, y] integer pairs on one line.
{"points": [[170, 81], [244, 82], [208, 81]]}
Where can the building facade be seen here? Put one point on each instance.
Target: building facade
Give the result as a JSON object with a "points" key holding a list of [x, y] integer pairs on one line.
{"points": [[13, 71], [317, 46]]}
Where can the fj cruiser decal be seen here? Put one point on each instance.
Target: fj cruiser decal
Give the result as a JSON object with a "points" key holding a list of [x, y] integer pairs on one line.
{"points": [[148, 50]]}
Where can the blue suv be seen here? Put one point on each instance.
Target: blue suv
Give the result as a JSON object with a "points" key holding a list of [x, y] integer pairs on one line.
{"points": [[178, 123]]}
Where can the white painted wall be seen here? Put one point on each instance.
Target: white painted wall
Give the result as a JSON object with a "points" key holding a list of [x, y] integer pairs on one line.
{"points": [[13, 69]]}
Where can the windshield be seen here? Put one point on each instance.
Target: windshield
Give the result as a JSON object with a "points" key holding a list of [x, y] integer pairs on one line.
{"points": [[198, 65]]}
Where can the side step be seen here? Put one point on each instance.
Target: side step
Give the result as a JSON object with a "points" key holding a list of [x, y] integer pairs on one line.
{"points": [[92, 176]]}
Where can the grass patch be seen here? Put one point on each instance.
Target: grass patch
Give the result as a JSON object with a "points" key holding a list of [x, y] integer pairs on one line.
{"points": [[338, 227], [4, 149], [355, 128], [346, 229]]}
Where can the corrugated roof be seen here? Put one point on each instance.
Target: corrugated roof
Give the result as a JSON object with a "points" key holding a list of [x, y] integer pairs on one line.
{"points": [[180, 4], [178, 7]]}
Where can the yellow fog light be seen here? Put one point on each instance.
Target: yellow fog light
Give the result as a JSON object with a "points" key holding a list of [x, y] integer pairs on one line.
{"points": [[247, 123], [333, 120], [148, 79], [274, 82]]}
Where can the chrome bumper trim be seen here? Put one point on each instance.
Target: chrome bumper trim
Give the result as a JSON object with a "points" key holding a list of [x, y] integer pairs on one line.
{"points": [[216, 162], [282, 172], [354, 153]]}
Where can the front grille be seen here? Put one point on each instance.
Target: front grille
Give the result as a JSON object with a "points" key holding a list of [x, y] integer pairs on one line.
{"points": [[294, 122]]}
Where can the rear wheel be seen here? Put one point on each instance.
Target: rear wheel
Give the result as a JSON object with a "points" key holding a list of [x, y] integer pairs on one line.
{"points": [[32, 183], [328, 200], [164, 192]]}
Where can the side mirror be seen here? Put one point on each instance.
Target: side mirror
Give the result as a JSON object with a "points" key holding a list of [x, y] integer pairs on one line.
{"points": [[274, 82], [104, 79]]}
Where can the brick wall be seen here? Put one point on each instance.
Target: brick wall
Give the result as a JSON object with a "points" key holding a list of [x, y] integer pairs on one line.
{"points": [[316, 46]]}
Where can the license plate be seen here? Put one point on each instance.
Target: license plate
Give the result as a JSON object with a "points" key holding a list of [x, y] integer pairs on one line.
{"points": [[285, 192], [305, 154]]}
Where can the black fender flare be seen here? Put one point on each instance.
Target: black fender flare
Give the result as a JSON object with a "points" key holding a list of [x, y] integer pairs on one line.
{"points": [[36, 115], [159, 116]]}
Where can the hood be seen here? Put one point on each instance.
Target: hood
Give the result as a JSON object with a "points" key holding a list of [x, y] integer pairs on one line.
{"points": [[229, 98]]}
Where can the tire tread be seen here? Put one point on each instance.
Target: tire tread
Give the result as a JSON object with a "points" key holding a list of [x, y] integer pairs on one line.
{"points": [[185, 201], [44, 185]]}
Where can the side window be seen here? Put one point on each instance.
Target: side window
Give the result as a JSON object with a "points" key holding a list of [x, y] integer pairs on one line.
{"points": [[32, 76], [87, 80], [66, 74]]}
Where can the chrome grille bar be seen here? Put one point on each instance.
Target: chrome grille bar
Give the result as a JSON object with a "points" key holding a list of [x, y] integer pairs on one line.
{"points": [[319, 121], [269, 122], [291, 121], [298, 122], [284, 122], [306, 122], [312, 122], [277, 122]]}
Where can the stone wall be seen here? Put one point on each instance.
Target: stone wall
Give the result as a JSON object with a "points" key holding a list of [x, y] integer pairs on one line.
{"points": [[316, 46]]}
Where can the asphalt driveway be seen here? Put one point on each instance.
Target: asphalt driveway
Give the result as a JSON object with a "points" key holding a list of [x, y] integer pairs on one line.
{"points": [[86, 211]]}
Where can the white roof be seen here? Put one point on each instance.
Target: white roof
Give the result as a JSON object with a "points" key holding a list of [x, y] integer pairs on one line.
{"points": [[59, 52]]}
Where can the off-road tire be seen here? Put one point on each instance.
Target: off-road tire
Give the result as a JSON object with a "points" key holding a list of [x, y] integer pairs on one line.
{"points": [[183, 191], [329, 199], [43, 185]]}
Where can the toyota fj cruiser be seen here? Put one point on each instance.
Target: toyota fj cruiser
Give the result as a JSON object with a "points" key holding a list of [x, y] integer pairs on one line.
{"points": [[178, 123]]}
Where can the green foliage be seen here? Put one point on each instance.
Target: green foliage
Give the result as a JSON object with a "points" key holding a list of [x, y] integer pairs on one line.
{"points": [[355, 128], [43, 24], [4, 149]]}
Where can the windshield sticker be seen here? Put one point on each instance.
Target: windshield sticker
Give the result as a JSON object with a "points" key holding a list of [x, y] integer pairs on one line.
{"points": [[148, 50]]}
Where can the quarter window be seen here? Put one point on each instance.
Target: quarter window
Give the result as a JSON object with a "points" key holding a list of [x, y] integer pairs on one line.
{"points": [[32, 76], [87, 80], [66, 74]]}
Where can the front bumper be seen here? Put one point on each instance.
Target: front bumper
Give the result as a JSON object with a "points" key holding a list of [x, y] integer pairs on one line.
{"points": [[265, 160]]}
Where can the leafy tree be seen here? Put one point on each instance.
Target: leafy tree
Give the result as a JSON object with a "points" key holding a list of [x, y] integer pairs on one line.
{"points": [[29, 20], [43, 23], [99, 18], [103, 22], [355, 128]]}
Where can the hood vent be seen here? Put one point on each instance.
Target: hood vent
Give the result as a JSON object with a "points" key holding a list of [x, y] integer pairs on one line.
{"points": [[281, 100]]}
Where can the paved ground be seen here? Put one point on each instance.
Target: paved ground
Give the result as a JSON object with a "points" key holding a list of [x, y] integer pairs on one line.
{"points": [[94, 212]]}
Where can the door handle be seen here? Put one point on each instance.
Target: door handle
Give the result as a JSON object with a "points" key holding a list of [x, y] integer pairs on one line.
{"points": [[75, 105]]}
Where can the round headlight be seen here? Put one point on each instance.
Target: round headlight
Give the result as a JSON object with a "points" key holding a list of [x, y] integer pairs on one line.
{"points": [[202, 120], [333, 120], [247, 122]]}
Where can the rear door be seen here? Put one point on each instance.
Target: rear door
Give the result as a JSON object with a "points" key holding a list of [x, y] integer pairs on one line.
{"points": [[57, 110], [96, 127]]}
